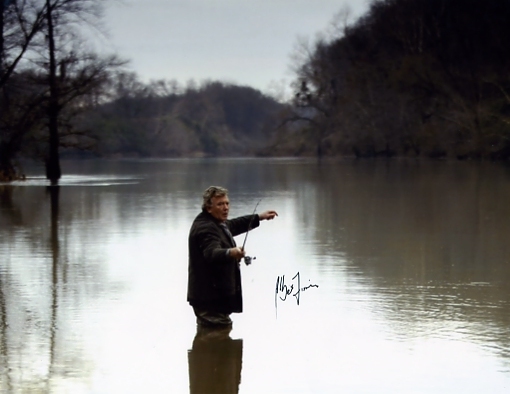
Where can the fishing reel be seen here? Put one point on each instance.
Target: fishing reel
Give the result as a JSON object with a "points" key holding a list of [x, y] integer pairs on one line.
{"points": [[248, 260]]}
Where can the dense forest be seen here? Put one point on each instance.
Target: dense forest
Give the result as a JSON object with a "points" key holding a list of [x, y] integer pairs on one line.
{"points": [[411, 77], [426, 78], [162, 119]]}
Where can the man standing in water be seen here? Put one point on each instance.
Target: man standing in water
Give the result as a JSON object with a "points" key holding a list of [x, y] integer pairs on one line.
{"points": [[214, 276]]}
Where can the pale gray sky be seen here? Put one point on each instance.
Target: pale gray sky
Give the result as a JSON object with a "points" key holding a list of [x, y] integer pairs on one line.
{"points": [[239, 41]]}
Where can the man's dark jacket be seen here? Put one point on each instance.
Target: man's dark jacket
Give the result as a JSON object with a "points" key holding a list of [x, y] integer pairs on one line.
{"points": [[214, 278]]}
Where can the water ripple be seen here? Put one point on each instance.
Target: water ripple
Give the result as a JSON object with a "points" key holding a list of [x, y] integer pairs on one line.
{"points": [[79, 180]]}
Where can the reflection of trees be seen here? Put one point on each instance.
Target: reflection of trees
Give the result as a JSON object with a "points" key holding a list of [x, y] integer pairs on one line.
{"points": [[18, 207], [29, 326], [41, 284], [4, 352], [54, 192], [431, 238], [215, 362], [8, 206]]}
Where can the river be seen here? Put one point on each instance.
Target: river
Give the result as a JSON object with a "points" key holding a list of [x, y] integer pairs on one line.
{"points": [[402, 267]]}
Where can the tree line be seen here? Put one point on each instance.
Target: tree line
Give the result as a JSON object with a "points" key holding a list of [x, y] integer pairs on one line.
{"points": [[410, 77], [59, 97], [165, 119]]}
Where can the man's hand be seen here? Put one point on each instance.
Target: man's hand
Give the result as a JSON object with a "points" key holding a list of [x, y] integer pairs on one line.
{"points": [[268, 215], [237, 253]]}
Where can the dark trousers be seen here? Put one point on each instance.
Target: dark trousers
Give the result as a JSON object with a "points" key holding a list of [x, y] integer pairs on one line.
{"points": [[212, 319]]}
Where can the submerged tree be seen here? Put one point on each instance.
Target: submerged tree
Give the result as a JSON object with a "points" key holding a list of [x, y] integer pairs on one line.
{"points": [[53, 171], [63, 20], [48, 78]]}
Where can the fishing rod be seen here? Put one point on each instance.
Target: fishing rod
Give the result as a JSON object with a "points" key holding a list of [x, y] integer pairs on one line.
{"points": [[248, 259]]}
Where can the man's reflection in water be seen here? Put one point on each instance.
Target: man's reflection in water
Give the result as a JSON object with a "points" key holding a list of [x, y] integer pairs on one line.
{"points": [[215, 362]]}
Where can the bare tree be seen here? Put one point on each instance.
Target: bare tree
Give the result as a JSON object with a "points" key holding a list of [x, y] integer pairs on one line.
{"points": [[20, 22], [42, 42]]}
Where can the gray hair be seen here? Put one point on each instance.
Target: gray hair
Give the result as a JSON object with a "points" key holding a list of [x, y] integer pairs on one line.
{"points": [[210, 193]]}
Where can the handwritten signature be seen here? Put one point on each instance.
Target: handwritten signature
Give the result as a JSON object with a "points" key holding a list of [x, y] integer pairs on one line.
{"points": [[294, 289]]}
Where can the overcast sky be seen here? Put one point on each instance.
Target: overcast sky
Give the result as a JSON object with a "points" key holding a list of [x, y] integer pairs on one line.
{"points": [[247, 42]]}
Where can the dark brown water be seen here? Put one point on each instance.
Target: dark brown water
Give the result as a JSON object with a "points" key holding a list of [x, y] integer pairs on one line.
{"points": [[403, 266]]}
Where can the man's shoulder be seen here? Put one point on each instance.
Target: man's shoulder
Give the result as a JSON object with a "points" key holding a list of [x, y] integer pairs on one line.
{"points": [[203, 217], [202, 222]]}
